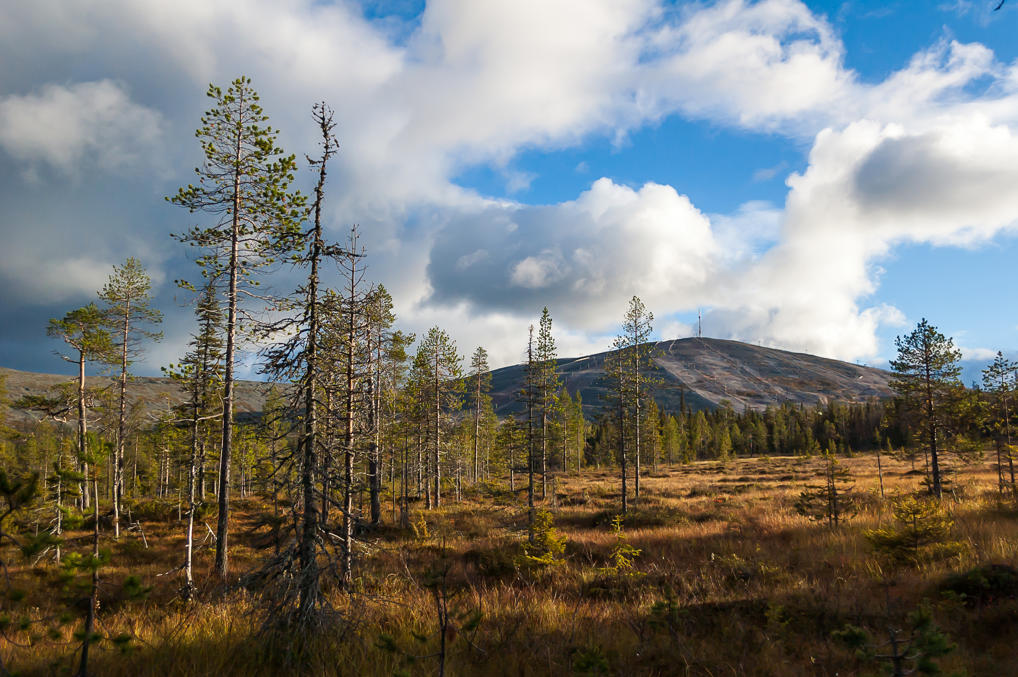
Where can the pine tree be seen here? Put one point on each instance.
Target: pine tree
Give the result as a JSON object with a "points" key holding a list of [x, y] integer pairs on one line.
{"points": [[511, 438], [353, 361], [128, 310], [83, 329], [480, 375], [379, 343], [393, 421], [243, 185], [698, 435], [999, 381], [926, 370], [616, 372], [671, 440], [832, 501], [437, 352], [637, 328]]}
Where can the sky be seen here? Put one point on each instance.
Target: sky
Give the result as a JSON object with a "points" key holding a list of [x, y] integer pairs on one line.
{"points": [[813, 176]]}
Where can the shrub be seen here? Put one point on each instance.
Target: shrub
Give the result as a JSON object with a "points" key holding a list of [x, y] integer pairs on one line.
{"points": [[911, 650], [982, 585], [831, 502], [420, 528], [546, 545], [920, 534], [622, 556]]}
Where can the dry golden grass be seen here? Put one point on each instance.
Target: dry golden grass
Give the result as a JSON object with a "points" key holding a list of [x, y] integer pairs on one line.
{"points": [[731, 581]]}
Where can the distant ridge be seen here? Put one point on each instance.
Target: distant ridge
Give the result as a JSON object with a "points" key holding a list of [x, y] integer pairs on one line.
{"points": [[706, 371], [154, 394], [710, 371]]}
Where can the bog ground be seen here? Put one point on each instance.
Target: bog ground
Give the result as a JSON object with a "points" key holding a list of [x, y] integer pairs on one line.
{"points": [[729, 580]]}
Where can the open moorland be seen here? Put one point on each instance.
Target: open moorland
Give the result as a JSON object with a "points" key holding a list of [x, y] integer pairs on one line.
{"points": [[713, 572]]}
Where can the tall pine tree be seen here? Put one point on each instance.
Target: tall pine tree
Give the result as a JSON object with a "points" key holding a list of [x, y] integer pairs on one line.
{"points": [[243, 187]]}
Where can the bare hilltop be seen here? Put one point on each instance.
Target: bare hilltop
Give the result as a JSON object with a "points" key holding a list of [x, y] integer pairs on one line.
{"points": [[707, 372]]}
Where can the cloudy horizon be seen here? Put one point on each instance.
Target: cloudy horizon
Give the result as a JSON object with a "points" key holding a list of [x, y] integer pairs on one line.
{"points": [[814, 180]]}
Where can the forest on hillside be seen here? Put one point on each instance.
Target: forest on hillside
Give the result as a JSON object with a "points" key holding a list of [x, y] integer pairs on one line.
{"points": [[378, 517]]}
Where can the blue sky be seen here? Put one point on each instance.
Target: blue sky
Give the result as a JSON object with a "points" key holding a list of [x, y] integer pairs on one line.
{"points": [[815, 176]]}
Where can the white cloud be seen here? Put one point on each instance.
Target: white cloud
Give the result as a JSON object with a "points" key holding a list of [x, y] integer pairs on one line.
{"points": [[73, 127], [977, 353], [928, 155], [51, 280], [583, 259], [867, 188], [674, 329], [768, 173]]}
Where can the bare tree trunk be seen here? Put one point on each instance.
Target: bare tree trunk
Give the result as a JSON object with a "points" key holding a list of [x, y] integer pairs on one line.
{"points": [[374, 471], [134, 470], [531, 513], [192, 476], [636, 428], [58, 530], [622, 455], [438, 435], [932, 428], [420, 466], [327, 459], [1007, 432], [82, 431], [477, 422], [118, 460], [544, 445], [223, 525], [93, 599], [346, 567], [404, 512]]}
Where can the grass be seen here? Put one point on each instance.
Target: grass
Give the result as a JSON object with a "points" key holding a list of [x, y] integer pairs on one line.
{"points": [[731, 582]]}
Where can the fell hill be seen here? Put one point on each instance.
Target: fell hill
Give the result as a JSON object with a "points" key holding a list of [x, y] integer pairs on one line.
{"points": [[707, 372]]}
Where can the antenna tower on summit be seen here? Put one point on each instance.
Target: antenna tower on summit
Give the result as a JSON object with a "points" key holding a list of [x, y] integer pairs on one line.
{"points": [[699, 324]]}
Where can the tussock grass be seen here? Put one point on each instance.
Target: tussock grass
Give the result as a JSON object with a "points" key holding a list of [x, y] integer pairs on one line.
{"points": [[730, 581]]}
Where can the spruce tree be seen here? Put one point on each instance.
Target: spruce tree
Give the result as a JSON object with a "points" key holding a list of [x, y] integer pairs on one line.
{"points": [[199, 374], [546, 385]]}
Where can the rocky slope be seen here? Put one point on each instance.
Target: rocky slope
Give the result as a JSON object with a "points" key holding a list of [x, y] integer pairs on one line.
{"points": [[707, 372]]}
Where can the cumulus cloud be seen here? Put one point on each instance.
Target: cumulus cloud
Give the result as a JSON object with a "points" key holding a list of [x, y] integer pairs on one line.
{"points": [[51, 280], [583, 259], [728, 60], [924, 156], [78, 126], [869, 187]]}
